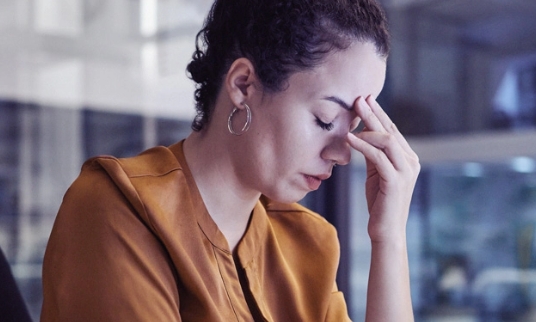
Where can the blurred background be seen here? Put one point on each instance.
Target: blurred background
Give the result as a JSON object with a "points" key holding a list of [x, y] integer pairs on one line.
{"points": [[86, 77]]}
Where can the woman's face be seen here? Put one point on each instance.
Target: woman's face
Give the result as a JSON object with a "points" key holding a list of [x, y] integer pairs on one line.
{"points": [[297, 135]]}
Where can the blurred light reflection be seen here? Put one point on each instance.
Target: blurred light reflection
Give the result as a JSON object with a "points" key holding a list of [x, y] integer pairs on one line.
{"points": [[473, 169], [523, 165]]}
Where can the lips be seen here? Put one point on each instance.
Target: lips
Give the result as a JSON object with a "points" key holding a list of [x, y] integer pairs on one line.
{"points": [[314, 181]]}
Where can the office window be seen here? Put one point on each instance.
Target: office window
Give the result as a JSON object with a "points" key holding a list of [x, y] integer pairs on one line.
{"points": [[471, 242]]}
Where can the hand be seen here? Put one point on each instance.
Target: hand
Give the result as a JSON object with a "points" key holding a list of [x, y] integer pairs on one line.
{"points": [[392, 170]]}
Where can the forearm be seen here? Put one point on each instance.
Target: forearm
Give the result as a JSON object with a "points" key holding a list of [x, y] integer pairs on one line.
{"points": [[392, 170], [388, 295]]}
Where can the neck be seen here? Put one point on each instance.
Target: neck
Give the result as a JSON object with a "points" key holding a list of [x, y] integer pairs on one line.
{"points": [[227, 200]]}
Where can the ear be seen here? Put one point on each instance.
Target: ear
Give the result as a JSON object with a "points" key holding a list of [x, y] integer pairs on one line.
{"points": [[240, 81]]}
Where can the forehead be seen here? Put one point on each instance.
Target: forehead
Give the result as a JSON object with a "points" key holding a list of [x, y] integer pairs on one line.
{"points": [[357, 71]]}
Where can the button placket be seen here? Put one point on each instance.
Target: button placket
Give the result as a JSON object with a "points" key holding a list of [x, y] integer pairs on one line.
{"points": [[232, 285]]}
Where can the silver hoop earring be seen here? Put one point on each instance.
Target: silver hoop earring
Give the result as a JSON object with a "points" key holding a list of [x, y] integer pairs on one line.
{"points": [[245, 128]]}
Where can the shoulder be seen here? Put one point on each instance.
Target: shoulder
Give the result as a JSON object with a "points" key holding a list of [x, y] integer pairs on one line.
{"points": [[302, 251], [300, 225], [154, 162], [144, 181], [150, 172]]}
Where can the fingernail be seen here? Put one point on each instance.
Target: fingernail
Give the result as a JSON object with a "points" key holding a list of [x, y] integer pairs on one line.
{"points": [[364, 105]]}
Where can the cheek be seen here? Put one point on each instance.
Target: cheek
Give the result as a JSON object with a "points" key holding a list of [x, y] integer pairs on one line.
{"points": [[302, 147], [287, 137]]}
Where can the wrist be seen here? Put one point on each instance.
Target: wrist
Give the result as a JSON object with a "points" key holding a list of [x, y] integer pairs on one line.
{"points": [[387, 233], [388, 238]]}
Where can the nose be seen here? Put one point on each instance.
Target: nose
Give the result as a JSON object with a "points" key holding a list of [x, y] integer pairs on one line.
{"points": [[337, 150]]}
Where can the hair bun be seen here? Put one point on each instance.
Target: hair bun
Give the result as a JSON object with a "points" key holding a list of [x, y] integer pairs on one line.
{"points": [[198, 68]]}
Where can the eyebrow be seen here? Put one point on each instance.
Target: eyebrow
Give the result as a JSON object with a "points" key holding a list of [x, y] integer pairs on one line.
{"points": [[338, 101]]}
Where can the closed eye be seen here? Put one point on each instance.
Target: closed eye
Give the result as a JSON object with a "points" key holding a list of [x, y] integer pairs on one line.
{"points": [[324, 126]]}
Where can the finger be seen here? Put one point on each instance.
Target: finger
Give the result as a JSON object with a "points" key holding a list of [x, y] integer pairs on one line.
{"points": [[364, 111], [355, 124], [372, 154], [378, 111], [387, 144], [388, 124]]}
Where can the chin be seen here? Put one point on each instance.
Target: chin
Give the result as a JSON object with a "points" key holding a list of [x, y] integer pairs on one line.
{"points": [[287, 197]]}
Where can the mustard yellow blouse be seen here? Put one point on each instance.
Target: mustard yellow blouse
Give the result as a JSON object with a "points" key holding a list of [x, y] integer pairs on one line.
{"points": [[133, 242]]}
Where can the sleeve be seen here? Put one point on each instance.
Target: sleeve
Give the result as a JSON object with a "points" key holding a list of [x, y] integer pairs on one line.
{"points": [[337, 310], [103, 262]]}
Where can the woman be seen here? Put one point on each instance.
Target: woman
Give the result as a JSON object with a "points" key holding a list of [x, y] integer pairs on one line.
{"points": [[208, 229]]}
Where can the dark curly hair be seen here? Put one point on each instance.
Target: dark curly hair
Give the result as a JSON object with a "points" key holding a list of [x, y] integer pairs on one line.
{"points": [[279, 37]]}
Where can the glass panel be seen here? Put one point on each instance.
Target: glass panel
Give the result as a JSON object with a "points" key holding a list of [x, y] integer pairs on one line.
{"points": [[41, 152], [462, 66], [471, 240]]}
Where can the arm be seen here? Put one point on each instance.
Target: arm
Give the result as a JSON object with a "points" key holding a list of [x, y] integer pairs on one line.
{"points": [[392, 170]]}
